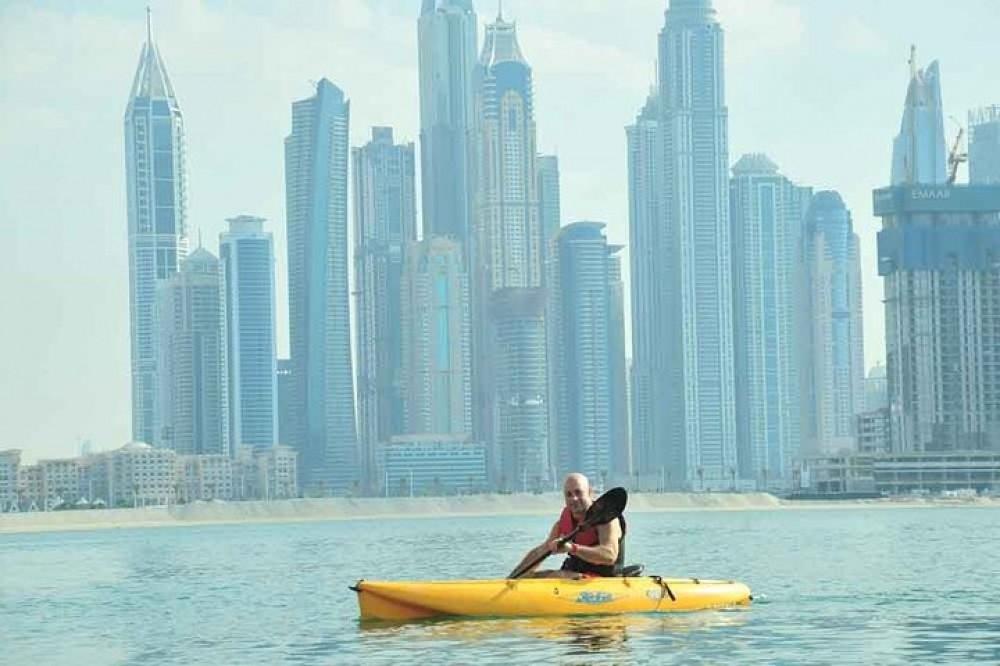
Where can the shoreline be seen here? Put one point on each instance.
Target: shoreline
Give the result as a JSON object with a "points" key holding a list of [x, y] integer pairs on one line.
{"points": [[395, 508]]}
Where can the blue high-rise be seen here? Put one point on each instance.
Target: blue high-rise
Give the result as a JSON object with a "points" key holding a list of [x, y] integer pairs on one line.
{"points": [[590, 393], [157, 220], [683, 368], [385, 219], [511, 358], [833, 351], [193, 399], [246, 252], [316, 168], [919, 153], [767, 212], [446, 40]]}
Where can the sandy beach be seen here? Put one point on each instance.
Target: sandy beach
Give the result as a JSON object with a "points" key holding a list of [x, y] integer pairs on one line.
{"points": [[202, 513]]}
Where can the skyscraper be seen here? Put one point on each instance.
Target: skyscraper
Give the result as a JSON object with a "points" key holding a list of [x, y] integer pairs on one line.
{"points": [[832, 341], [681, 262], [919, 153], [653, 339], [621, 447], [588, 394], [385, 219], [157, 219], [767, 212], [939, 255], [193, 392], [512, 359], [246, 252], [436, 329], [984, 146], [446, 38], [316, 167], [550, 216]]}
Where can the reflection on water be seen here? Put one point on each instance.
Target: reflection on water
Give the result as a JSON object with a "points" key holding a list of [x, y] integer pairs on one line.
{"points": [[575, 634]]}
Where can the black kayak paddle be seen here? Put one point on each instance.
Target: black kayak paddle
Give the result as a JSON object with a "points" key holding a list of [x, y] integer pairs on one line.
{"points": [[605, 508]]}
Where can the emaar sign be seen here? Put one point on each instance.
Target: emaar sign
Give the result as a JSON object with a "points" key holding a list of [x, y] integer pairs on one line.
{"points": [[936, 199], [931, 193]]}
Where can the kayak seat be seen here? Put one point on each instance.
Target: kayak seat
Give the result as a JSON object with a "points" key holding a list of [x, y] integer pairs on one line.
{"points": [[632, 570]]}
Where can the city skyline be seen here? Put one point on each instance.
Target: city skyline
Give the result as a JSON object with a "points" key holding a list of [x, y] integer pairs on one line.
{"points": [[98, 328]]}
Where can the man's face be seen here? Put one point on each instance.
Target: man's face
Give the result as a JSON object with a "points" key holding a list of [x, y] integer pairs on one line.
{"points": [[577, 494]]}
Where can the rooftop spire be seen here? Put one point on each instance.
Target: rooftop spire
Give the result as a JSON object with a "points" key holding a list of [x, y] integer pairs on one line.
{"points": [[500, 44], [499, 10], [151, 78]]}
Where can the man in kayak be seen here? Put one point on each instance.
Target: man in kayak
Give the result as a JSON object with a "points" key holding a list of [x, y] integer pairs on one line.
{"points": [[597, 551]]}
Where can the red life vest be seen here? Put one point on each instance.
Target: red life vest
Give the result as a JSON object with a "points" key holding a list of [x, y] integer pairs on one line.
{"points": [[587, 537]]}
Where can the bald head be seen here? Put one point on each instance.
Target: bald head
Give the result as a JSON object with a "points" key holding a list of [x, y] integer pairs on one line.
{"points": [[576, 491], [576, 480]]}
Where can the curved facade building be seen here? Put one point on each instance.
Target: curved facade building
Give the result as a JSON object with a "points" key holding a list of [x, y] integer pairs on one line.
{"points": [[316, 167]]}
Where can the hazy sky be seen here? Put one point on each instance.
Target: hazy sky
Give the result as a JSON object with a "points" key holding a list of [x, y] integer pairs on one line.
{"points": [[816, 84]]}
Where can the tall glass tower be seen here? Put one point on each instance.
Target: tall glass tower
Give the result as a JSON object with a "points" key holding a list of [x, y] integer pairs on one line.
{"points": [[446, 39], [681, 259], [767, 212], [589, 392], [919, 153], [246, 252], [316, 167], [193, 395], [385, 219], [833, 360], [157, 219], [508, 277]]}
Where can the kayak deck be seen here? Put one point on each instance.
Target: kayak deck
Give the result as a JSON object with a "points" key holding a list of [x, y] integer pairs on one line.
{"points": [[536, 597]]}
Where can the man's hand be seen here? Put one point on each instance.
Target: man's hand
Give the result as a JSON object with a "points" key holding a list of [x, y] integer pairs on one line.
{"points": [[557, 546]]}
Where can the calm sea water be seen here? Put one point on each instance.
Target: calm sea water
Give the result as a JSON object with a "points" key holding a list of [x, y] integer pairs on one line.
{"points": [[873, 585]]}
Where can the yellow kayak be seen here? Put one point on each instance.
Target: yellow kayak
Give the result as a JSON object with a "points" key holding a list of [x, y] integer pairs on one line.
{"points": [[534, 597]]}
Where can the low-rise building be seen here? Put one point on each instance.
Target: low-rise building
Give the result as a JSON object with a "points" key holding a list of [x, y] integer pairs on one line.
{"points": [[10, 474], [931, 473], [141, 475], [433, 465]]}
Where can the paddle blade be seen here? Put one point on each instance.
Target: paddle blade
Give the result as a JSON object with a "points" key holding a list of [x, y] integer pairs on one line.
{"points": [[606, 508]]}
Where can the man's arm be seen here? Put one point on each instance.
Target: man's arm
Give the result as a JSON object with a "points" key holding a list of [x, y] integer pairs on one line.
{"points": [[537, 551], [606, 550]]}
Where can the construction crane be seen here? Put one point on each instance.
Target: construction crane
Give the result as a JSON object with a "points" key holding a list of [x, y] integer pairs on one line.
{"points": [[954, 156]]}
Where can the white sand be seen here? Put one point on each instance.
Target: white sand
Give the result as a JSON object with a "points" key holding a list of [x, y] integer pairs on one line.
{"points": [[473, 505]]}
